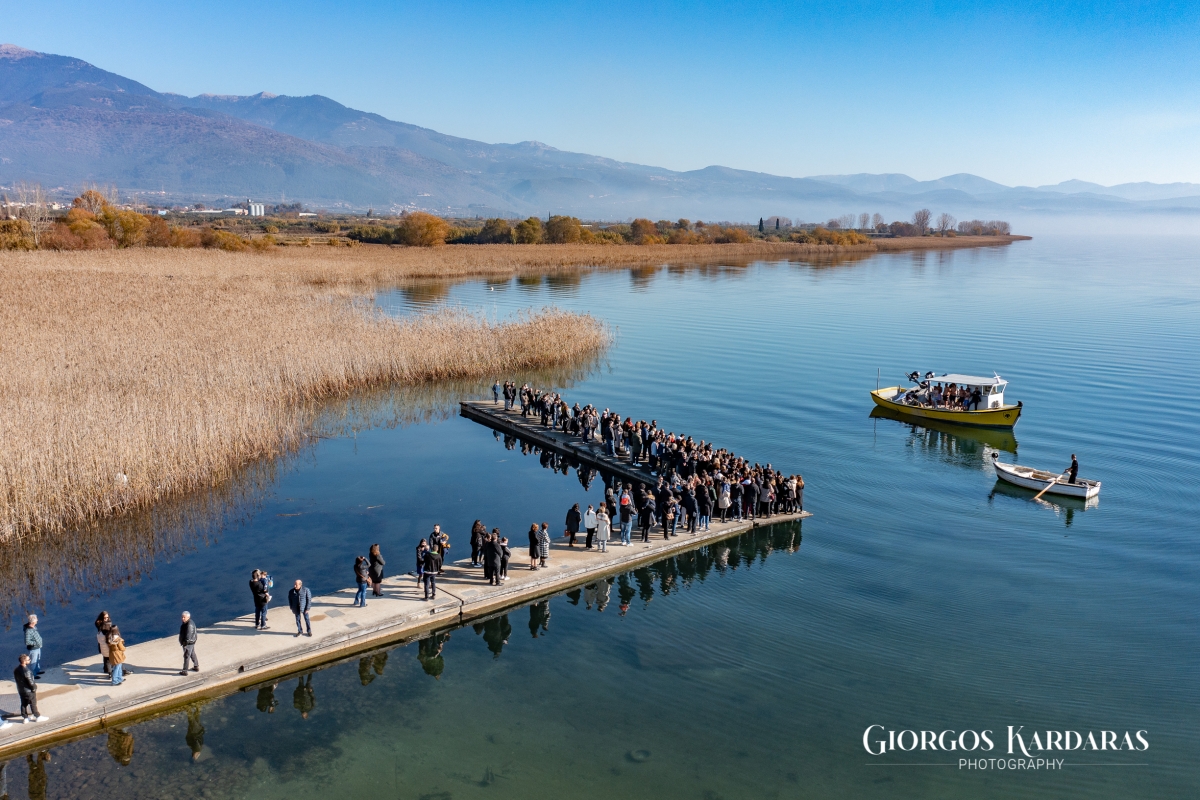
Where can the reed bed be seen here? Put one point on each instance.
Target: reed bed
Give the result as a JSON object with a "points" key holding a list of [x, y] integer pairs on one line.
{"points": [[131, 377]]}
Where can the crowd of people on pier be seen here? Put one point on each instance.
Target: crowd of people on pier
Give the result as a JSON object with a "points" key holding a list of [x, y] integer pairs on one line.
{"points": [[695, 479], [690, 482]]}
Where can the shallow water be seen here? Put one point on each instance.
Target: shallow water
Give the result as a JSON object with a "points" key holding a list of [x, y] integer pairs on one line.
{"points": [[924, 596]]}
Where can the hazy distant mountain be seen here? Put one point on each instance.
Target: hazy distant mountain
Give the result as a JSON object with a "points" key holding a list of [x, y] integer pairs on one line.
{"points": [[1128, 191], [64, 121]]}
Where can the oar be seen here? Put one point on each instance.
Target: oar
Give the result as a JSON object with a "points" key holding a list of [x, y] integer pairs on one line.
{"points": [[1048, 485]]}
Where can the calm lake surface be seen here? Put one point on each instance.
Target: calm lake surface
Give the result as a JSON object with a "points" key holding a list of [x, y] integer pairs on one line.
{"points": [[921, 595]]}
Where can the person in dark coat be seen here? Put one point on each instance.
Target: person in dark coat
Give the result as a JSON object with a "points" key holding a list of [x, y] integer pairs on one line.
{"points": [[300, 601], [432, 566], [493, 554], [376, 570], [478, 532], [574, 520], [1073, 469], [187, 640], [505, 553], [27, 690], [533, 546], [258, 588], [646, 516], [689, 505]]}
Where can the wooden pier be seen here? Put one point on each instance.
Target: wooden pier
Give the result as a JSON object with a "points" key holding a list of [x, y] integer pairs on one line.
{"points": [[531, 430], [80, 701]]}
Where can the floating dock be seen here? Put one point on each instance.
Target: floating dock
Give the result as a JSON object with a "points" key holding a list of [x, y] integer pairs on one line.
{"points": [[80, 700]]}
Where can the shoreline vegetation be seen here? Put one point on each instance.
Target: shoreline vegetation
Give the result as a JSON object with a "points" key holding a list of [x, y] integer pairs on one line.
{"points": [[134, 376], [96, 221], [149, 361]]}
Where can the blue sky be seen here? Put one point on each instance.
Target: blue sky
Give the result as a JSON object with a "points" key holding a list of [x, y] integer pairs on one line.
{"points": [[1026, 93]]}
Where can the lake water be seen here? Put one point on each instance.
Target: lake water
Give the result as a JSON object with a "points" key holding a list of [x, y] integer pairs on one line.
{"points": [[920, 596]]}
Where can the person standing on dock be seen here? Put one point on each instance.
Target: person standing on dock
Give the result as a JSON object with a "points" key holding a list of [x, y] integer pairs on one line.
{"points": [[258, 588], [496, 391], [603, 529], [116, 654], [362, 576], [543, 539], [377, 565], [491, 554], [505, 553], [102, 623], [574, 519], [33, 646], [626, 512], [533, 546], [433, 568], [300, 601], [478, 534], [187, 640], [422, 548], [27, 690], [589, 525], [646, 516]]}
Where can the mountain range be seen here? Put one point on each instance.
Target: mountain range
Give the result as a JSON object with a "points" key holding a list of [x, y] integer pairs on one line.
{"points": [[64, 122]]}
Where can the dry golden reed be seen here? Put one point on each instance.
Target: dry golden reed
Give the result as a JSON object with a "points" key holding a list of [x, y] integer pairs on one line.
{"points": [[137, 375]]}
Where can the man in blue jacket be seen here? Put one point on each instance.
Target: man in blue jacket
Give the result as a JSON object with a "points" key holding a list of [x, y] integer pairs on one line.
{"points": [[300, 600]]}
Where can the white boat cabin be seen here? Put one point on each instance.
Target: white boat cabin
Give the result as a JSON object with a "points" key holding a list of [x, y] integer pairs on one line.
{"points": [[992, 388]]}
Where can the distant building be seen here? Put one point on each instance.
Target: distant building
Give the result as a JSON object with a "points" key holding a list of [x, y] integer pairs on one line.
{"points": [[257, 209]]}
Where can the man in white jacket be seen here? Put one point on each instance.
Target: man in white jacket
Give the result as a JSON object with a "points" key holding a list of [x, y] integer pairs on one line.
{"points": [[589, 524]]}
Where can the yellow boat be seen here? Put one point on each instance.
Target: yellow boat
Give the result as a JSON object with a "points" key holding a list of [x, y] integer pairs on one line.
{"points": [[922, 400]]}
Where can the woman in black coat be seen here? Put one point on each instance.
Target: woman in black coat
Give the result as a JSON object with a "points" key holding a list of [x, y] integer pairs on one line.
{"points": [[478, 534], [533, 546], [376, 570], [493, 553]]}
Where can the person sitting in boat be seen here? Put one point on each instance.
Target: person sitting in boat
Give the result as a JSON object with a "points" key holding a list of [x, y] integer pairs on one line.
{"points": [[911, 398]]}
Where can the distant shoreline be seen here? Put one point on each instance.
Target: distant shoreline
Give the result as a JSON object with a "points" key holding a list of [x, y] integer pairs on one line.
{"points": [[943, 242]]}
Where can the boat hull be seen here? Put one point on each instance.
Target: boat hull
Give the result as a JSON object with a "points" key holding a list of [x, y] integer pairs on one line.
{"points": [[1003, 417], [1037, 480]]}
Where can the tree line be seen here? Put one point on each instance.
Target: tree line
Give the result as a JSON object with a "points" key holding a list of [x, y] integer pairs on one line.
{"points": [[920, 224], [426, 230], [96, 222]]}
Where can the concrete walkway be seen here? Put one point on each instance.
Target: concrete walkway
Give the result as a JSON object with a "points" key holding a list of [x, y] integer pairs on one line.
{"points": [[79, 700]]}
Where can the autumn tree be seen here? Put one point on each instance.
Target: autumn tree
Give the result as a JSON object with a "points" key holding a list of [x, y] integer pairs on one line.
{"points": [[864, 219], [563, 230], [528, 231], [945, 223], [495, 231], [419, 229], [643, 231], [920, 219]]}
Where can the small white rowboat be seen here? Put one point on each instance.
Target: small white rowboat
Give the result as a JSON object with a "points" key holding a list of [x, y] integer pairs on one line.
{"points": [[1037, 480]]}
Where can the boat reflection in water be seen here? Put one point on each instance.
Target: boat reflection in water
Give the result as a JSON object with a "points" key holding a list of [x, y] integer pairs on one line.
{"points": [[955, 444], [1060, 504]]}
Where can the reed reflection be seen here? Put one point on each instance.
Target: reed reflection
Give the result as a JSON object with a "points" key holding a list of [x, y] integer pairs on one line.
{"points": [[49, 569]]}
